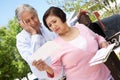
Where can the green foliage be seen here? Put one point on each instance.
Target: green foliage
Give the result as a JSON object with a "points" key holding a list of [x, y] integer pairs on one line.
{"points": [[11, 64], [72, 5], [104, 7]]}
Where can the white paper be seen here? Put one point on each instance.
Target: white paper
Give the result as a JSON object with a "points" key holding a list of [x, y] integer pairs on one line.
{"points": [[45, 51], [102, 55]]}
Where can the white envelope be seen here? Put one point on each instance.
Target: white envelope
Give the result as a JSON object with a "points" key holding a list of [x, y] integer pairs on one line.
{"points": [[45, 50], [102, 55]]}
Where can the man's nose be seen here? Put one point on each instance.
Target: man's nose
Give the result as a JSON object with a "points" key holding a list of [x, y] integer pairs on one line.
{"points": [[32, 21]]}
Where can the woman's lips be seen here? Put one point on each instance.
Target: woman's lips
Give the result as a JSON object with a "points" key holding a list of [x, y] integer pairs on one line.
{"points": [[56, 30]]}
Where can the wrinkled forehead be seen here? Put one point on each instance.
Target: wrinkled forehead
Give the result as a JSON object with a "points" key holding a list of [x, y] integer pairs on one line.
{"points": [[28, 14]]}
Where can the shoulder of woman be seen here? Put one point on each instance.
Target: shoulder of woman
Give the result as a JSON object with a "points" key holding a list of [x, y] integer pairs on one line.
{"points": [[81, 26]]}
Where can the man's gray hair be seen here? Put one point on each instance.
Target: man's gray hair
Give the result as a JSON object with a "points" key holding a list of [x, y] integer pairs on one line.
{"points": [[22, 8]]}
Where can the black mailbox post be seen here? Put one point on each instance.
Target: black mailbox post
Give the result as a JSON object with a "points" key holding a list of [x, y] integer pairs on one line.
{"points": [[112, 33], [113, 63]]}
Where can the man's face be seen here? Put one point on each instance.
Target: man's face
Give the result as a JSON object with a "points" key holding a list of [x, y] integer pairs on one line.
{"points": [[31, 19], [84, 19]]}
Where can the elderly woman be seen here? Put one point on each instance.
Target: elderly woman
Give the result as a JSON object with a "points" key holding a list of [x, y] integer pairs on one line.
{"points": [[78, 45]]}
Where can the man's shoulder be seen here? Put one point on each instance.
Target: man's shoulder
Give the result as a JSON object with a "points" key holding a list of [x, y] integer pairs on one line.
{"points": [[23, 33], [47, 34]]}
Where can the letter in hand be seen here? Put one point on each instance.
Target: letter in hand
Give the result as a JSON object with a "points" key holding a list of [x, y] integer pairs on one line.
{"points": [[42, 66], [104, 44]]}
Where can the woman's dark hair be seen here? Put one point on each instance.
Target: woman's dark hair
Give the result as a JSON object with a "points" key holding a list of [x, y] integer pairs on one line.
{"points": [[56, 12]]}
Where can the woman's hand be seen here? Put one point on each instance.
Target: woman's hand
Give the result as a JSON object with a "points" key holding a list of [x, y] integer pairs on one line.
{"points": [[42, 66], [104, 44]]}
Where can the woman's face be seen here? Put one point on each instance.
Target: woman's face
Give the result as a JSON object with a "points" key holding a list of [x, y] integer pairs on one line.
{"points": [[55, 24]]}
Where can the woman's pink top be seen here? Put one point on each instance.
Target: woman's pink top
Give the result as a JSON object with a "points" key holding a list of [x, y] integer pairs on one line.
{"points": [[76, 54]]}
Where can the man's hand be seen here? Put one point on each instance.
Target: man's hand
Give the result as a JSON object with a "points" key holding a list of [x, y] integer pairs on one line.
{"points": [[27, 27]]}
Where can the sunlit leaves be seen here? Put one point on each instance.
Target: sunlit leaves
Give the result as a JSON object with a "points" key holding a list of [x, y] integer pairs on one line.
{"points": [[11, 64]]}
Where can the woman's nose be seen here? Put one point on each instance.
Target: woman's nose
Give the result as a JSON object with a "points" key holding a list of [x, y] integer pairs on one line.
{"points": [[54, 26]]}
